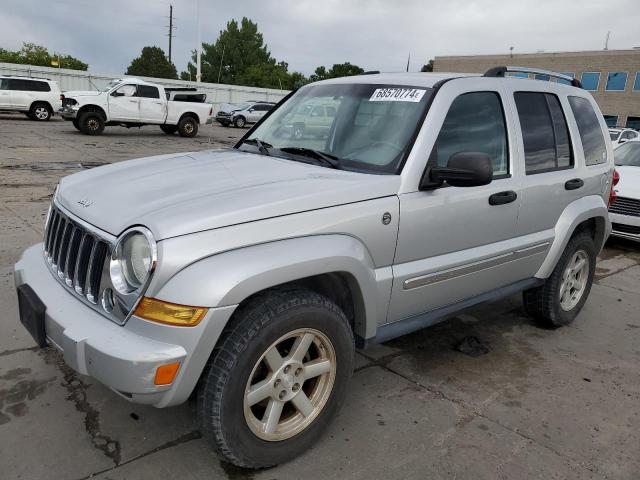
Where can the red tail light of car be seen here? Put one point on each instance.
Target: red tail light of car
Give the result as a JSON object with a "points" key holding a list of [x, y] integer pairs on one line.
{"points": [[614, 181]]}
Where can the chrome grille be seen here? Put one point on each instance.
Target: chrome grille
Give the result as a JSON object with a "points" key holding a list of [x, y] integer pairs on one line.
{"points": [[75, 254], [626, 206]]}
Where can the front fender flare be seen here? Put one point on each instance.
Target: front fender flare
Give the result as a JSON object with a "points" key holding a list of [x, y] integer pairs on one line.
{"points": [[228, 278]]}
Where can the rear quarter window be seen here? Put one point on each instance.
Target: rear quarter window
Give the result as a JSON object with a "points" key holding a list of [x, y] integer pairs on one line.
{"points": [[595, 151]]}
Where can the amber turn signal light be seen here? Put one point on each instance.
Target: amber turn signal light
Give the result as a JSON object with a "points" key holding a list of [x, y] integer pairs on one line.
{"points": [[169, 313], [165, 374]]}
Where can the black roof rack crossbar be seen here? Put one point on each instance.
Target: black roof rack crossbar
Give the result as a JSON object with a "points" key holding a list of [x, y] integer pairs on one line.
{"points": [[501, 71]]}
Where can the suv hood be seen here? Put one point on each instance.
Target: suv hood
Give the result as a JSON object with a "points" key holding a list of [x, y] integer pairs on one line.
{"points": [[81, 93], [180, 194]]}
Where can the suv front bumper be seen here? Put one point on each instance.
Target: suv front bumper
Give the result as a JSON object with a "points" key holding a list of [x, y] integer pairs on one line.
{"points": [[124, 358], [68, 113]]}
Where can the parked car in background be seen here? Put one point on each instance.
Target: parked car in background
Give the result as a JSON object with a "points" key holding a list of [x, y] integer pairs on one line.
{"points": [[244, 114], [624, 211], [311, 119], [38, 98], [621, 135], [251, 274], [130, 102]]}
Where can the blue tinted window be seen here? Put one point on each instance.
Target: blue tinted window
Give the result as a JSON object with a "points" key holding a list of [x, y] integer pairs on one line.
{"points": [[566, 82], [518, 74], [636, 84], [616, 81], [612, 120], [590, 80], [543, 77]]}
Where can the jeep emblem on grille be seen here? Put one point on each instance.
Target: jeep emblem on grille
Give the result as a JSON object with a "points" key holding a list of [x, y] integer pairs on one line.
{"points": [[85, 202]]}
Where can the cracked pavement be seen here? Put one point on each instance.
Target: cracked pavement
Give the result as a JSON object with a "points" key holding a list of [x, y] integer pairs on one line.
{"points": [[541, 404]]}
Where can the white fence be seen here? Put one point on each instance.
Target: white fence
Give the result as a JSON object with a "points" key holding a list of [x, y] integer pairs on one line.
{"points": [[78, 80]]}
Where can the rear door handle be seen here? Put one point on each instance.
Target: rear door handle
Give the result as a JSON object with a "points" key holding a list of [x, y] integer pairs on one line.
{"points": [[573, 184], [503, 197]]}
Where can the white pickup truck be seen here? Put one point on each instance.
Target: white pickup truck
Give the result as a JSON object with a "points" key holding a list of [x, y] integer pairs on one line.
{"points": [[130, 102]]}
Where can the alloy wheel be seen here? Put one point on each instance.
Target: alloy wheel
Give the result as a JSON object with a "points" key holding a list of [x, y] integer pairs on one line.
{"points": [[290, 384], [574, 280]]}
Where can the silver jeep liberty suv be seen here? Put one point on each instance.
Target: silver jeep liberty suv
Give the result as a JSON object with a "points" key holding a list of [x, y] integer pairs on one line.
{"points": [[249, 275]]}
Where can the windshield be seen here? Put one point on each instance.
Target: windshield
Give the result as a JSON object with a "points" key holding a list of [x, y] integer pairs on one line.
{"points": [[614, 135], [627, 154], [110, 85], [363, 127]]}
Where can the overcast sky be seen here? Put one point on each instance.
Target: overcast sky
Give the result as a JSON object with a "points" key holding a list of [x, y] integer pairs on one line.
{"points": [[375, 34]]}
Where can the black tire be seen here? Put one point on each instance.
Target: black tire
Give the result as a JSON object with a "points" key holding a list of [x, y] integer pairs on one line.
{"points": [[240, 121], [91, 123], [76, 124], [543, 303], [40, 112], [169, 129], [188, 127], [254, 328]]}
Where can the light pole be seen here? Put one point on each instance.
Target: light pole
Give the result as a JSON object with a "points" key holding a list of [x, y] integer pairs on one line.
{"points": [[199, 46]]}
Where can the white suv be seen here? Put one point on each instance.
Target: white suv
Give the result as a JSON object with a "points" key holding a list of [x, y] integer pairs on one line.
{"points": [[38, 98]]}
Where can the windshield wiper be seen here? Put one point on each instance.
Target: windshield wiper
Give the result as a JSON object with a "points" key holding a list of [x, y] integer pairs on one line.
{"points": [[328, 160], [263, 147]]}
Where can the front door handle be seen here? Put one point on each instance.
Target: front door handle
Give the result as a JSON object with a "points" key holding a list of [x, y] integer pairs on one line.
{"points": [[573, 184], [503, 197]]}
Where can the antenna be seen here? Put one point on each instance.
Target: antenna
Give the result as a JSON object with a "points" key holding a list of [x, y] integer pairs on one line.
{"points": [[606, 42]]}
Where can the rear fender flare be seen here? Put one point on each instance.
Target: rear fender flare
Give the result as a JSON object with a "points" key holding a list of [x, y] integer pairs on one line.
{"points": [[574, 214]]}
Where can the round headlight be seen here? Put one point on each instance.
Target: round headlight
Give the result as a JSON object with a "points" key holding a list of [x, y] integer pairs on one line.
{"points": [[133, 259]]}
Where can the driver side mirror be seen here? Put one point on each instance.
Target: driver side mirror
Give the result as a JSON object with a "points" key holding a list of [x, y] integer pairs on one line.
{"points": [[622, 140], [464, 169]]}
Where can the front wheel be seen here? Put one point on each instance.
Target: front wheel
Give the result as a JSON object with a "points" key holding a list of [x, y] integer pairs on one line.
{"points": [[76, 124], [188, 127], [276, 378], [558, 301], [91, 123], [240, 121]]}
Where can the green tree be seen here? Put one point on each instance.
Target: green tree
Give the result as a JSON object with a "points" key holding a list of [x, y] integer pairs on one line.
{"points": [[428, 67], [152, 62], [239, 56], [32, 54], [338, 70]]}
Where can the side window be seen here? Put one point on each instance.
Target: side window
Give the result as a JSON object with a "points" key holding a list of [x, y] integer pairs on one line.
{"points": [[593, 144], [4, 84], [126, 91], [36, 86], [147, 91], [474, 123], [545, 134], [16, 84]]}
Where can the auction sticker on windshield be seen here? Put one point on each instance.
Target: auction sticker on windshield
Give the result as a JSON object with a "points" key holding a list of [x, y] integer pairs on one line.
{"points": [[397, 95]]}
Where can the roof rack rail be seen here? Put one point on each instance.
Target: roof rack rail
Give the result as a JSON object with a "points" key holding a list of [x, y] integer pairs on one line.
{"points": [[501, 71], [371, 72]]}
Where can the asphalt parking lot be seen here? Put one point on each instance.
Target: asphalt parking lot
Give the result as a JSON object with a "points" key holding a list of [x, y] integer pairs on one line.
{"points": [[561, 404]]}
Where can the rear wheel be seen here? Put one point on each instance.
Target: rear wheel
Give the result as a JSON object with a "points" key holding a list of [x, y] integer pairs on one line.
{"points": [[188, 127], [40, 112], [169, 129], [91, 123], [559, 300], [276, 378]]}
